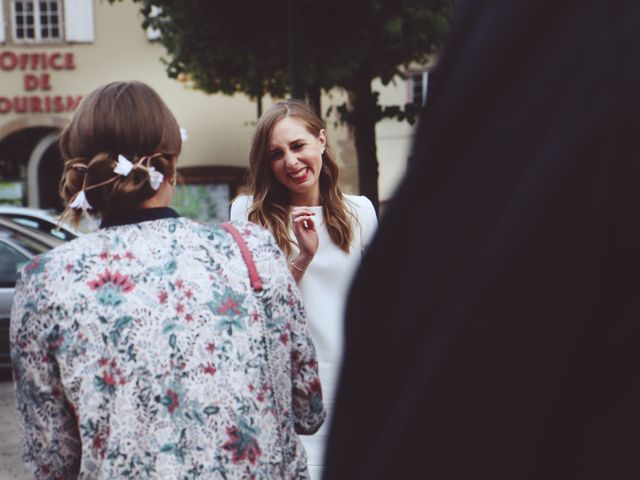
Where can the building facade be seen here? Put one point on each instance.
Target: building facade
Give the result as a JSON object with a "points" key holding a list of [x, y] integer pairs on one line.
{"points": [[53, 52]]}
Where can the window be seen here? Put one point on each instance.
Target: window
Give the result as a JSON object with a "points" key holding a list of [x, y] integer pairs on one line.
{"points": [[205, 193], [47, 21], [418, 85], [45, 226], [421, 83], [36, 20]]}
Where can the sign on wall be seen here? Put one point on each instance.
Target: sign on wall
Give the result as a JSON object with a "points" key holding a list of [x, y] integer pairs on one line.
{"points": [[37, 69]]}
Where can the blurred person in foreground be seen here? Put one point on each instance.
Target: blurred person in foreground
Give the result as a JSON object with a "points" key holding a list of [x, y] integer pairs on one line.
{"points": [[141, 350], [500, 297]]}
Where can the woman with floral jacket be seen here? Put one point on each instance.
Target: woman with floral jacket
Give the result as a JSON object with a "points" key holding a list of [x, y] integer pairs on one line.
{"points": [[141, 350]]}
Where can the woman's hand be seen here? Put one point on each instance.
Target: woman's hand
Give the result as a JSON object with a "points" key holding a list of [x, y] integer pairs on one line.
{"points": [[305, 232]]}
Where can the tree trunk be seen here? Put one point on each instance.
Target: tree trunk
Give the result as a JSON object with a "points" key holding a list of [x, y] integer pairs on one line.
{"points": [[313, 98], [364, 119], [297, 86]]}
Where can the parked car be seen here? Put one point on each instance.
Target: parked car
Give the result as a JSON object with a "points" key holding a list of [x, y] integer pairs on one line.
{"points": [[18, 245], [41, 220]]}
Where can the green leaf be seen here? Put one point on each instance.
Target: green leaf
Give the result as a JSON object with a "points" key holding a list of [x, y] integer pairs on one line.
{"points": [[211, 410], [123, 322], [343, 45], [170, 267]]}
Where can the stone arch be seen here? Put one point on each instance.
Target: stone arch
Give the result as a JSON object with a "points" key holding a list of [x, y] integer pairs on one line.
{"points": [[33, 168], [24, 142], [31, 122]]}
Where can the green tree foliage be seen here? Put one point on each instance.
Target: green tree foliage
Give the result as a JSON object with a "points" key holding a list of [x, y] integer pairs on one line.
{"points": [[243, 46]]}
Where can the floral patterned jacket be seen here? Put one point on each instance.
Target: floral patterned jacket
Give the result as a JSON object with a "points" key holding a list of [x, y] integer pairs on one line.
{"points": [[141, 351]]}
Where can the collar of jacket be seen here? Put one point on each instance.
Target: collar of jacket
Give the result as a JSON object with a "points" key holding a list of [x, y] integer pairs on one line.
{"points": [[141, 215]]}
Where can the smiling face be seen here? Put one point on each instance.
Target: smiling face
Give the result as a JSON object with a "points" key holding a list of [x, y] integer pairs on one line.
{"points": [[296, 160]]}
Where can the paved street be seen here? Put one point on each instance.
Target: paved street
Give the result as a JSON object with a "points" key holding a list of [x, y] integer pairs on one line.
{"points": [[11, 467]]}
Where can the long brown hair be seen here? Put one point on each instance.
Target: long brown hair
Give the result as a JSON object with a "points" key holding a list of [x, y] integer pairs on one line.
{"points": [[127, 118], [270, 206]]}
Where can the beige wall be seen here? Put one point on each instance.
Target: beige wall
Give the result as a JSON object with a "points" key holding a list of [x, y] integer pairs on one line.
{"points": [[393, 138], [219, 126]]}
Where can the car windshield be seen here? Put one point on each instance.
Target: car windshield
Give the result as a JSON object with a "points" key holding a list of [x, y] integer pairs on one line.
{"points": [[43, 225], [30, 244]]}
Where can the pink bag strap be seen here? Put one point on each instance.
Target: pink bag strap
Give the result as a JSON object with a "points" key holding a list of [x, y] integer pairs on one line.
{"points": [[256, 283]]}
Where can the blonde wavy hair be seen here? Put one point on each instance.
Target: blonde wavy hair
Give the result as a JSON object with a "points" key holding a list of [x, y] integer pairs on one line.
{"points": [[270, 206]]}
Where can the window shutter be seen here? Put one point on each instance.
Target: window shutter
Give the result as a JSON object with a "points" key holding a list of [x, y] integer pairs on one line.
{"points": [[3, 26], [425, 86], [79, 21]]}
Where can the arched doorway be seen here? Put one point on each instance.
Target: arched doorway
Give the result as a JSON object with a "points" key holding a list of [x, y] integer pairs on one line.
{"points": [[43, 173], [30, 168]]}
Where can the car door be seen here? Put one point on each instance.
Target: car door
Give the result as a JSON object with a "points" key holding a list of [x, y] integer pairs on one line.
{"points": [[12, 258]]}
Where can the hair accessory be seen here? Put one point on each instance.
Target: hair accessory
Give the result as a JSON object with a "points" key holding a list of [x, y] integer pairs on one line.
{"points": [[183, 134], [123, 167], [80, 202], [155, 178]]}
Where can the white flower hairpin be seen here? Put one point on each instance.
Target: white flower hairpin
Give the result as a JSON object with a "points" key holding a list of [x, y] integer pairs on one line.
{"points": [[80, 202], [124, 166], [155, 178], [183, 134]]}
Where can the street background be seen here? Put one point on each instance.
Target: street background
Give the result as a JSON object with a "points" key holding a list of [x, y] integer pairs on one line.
{"points": [[11, 467]]}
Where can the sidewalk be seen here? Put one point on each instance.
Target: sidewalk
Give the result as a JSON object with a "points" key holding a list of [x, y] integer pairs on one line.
{"points": [[11, 467]]}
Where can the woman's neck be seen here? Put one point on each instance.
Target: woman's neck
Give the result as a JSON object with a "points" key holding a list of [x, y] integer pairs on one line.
{"points": [[161, 199], [307, 199]]}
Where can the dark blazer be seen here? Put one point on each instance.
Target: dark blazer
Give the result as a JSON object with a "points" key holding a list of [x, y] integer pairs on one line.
{"points": [[493, 329]]}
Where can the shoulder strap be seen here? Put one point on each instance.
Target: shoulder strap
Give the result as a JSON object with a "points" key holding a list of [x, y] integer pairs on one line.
{"points": [[256, 283]]}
